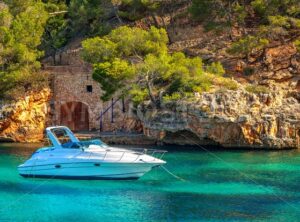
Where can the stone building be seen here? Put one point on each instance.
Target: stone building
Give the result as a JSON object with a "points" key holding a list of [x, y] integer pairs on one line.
{"points": [[76, 97], [76, 102]]}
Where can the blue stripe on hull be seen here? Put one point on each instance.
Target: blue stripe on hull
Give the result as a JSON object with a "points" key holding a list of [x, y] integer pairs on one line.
{"points": [[78, 177]]}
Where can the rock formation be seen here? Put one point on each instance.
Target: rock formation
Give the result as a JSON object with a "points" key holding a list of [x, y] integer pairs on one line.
{"points": [[233, 119], [25, 120]]}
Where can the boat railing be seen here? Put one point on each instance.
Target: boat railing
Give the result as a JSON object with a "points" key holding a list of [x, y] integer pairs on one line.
{"points": [[155, 153], [138, 151]]}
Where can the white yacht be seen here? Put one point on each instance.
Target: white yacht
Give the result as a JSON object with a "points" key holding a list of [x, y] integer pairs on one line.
{"points": [[69, 158]]}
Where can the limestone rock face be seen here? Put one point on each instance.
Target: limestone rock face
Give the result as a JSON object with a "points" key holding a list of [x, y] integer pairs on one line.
{"points": [[25, 120], [230, 119]]}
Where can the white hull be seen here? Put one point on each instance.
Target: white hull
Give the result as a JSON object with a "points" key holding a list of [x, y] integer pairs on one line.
{"points": [[87, 170], [87, 160]]}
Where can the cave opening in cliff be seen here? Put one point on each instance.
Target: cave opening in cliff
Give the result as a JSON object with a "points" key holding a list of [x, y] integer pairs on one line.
{"points": [[186, 137]]}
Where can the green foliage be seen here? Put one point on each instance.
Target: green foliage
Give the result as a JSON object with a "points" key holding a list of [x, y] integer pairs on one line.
{"points": [[220, 83], [229, 84], [112, 76], [135, 9], [21, 27], [248, 71], [137, 61], [218, 14], [138, 42], [297, 44], [266, 8], [138, 95], [216, 68], [257, 89], [174, 97], [55, 34], [247, 45], [174, 72], [98, 50], [125, 42], [73, 19], [279, 20], [86, 16], [274, 19]]}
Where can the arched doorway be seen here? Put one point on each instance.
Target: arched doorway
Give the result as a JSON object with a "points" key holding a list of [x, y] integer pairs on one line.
{"points": [[75, 115]]}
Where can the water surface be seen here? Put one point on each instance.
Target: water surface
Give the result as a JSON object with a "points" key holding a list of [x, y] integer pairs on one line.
{"points": [[217, 186]]}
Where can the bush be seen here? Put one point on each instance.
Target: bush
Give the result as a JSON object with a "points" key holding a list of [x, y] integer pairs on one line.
{"points": [[174, 97], [248, 71], [230, 84], [257, 89], [216, 68], [137, 95], [297, 44], [245, 46]]}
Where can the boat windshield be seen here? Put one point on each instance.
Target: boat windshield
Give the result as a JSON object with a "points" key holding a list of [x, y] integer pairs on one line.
{"points": [[66, 141], [61, 136]]}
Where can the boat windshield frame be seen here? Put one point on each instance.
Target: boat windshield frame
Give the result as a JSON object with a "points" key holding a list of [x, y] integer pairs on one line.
{"points": [[73, 141]]}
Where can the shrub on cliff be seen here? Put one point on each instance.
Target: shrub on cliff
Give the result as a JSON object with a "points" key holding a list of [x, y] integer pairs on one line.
{"points": [[245, 46], [136, 61], [257, 89], [297, 44]]}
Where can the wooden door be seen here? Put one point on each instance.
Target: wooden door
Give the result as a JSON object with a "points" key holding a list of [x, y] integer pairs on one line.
{"points": [[75, 115]]}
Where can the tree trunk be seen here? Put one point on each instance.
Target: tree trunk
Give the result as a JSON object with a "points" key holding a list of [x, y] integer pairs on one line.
{"points": [[116, 10], [150, 93]]}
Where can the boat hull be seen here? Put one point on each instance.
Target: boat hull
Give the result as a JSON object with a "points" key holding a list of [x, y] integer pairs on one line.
{"points": [[88, 171], [79, 177], [70, 158]]}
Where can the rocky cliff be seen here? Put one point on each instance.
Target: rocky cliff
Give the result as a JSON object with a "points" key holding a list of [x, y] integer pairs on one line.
{"points": [[228, 118], [233, 119], [25, 120]]}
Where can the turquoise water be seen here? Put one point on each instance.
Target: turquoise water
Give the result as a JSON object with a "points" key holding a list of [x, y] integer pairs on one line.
{"points": [[218, 186]]}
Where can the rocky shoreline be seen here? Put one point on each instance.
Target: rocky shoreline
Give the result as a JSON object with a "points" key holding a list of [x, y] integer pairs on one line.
{"points": [[233, 119], [230, 119]]}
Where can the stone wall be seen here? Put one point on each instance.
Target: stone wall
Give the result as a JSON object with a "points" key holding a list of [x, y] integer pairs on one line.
{"points": [[69, 84]]}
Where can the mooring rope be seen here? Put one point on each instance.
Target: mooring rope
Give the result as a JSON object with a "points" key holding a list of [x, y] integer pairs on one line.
{"points": [[168, 171], [172, 174]]}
